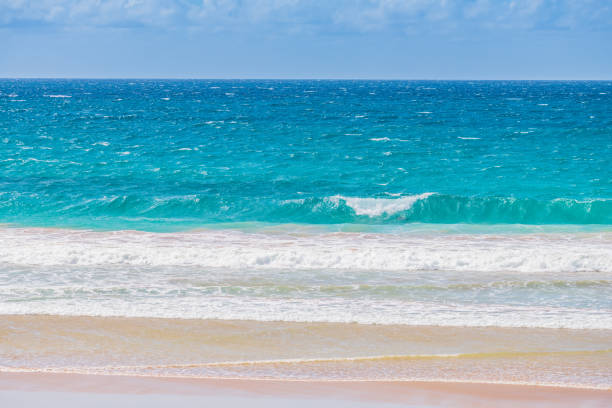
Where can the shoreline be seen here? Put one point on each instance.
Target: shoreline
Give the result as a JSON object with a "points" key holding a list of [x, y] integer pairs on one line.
{"points": [[62, 371], [420, 393], [304, 352]]}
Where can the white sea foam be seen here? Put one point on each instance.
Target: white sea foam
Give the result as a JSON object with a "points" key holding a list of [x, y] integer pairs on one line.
{"points": [[384, 278], [373, 207], [58, 96], [348, 251], [363, 311], [386, 139]]}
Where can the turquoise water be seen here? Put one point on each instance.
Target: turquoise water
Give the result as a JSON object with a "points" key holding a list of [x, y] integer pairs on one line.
{"points": [[402, 202], [178, 155]]}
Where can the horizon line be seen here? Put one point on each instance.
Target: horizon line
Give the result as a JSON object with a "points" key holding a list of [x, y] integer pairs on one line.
{"points": [[296, 78]]}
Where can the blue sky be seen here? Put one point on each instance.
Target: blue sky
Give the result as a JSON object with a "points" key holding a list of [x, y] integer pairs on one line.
{"points": [[413, 39]]}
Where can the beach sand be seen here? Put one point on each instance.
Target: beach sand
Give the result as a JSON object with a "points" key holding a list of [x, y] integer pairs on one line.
{"points": [[72, 390], [103, 361]]}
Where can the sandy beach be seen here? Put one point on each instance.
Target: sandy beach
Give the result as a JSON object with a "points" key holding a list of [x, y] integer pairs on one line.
{"points": [[73, 361], [29, 389]]}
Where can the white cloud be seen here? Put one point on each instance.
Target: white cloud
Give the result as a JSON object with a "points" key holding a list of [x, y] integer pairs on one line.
{"points": [[333, 15]]}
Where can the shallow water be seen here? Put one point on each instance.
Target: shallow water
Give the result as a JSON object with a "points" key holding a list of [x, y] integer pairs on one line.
{"points": [[305, 351]]}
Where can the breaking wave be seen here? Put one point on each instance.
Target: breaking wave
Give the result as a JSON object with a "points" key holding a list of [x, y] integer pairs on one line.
{"points": [[195, 210]]}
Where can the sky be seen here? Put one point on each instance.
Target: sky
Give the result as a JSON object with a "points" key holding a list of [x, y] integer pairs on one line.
{"points": [[358, 39]]}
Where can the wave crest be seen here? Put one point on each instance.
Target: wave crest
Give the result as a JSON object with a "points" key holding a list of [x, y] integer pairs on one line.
{"points": [[200, 209], [443, 208]]}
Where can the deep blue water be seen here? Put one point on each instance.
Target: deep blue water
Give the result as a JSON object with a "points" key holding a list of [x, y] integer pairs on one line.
{"points": [[167, 155]]}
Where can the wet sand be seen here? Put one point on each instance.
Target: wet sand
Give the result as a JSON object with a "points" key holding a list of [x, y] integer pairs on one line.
{"points": [[68, 390]]}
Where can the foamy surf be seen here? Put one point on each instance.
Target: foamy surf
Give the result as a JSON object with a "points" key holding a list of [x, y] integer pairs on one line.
{"points": [[505, 280], [588, 252], [391, 312]]}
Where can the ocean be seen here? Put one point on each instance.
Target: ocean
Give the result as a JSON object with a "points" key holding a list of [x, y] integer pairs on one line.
{"points": [[445, 230]]}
